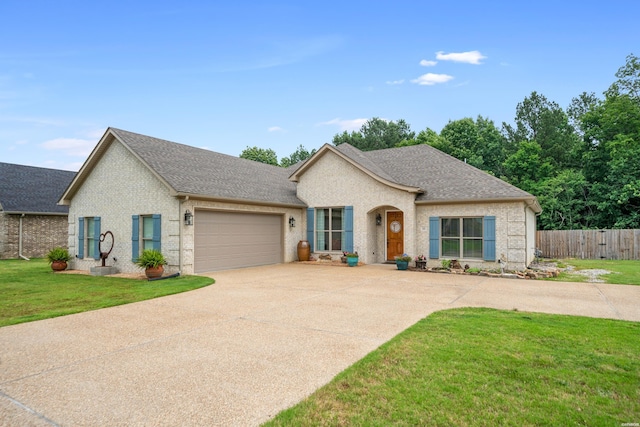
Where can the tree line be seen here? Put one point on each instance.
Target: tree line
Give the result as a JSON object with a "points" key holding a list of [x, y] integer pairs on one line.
{"points": [[582, 162]]}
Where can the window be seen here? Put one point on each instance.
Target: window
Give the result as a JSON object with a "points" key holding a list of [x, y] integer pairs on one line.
{"points": [[89, 237], [461, 237], [330, 230], [145, 234]]}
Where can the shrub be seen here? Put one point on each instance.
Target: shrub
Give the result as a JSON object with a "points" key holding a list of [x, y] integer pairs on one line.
{"points": [[58, 254], [151, 258]]}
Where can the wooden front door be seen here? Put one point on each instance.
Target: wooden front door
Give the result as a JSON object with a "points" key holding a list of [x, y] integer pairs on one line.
{"points": [[395, 235]]}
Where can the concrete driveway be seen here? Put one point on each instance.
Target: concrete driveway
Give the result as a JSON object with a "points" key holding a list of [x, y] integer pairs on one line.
{"points": [[256, 342]]}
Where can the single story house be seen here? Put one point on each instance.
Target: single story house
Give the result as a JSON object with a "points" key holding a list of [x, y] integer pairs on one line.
{"points": [[31, 221], [208, 211]]}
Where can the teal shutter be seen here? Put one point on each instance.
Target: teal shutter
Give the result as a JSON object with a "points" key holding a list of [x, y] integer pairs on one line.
{"points": [[434, 237], [157, 235], [489, 238], [81, 237], [135, 237], [348, 228], [96, 240], [310, 212]]}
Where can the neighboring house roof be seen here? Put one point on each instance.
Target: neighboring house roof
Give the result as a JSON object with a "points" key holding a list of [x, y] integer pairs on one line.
{"points": [[436, 177], [33, 190], [200, 173]]}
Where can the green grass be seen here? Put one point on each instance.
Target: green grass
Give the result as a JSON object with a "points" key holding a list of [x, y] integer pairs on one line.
{"points": [[623, 272], [31, 291], [482, 367]]}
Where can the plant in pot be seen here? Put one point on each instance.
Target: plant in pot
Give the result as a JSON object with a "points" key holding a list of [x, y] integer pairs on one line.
{"points": [[153, 263], [58, 258], [352, 258], [402, 262]]}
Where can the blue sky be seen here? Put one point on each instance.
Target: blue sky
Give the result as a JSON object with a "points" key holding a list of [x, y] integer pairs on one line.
{"points": [[227, 75]]}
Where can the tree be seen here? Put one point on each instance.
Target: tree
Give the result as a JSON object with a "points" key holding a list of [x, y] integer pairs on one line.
{"points": [[262, 155], [301, 154], [543, 121], [376, 134], [628, 82]]}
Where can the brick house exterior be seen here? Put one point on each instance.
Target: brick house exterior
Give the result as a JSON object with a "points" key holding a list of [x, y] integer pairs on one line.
{"points": [[208, 211], [31, 222]]}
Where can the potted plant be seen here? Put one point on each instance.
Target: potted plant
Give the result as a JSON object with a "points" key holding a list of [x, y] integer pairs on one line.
{"points": [[58, 258], [402, 262], [421, 262], [352, 258], [153, 263]]}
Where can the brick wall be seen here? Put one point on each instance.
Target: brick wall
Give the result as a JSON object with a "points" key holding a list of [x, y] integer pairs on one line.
{"points": [[40, 233]]}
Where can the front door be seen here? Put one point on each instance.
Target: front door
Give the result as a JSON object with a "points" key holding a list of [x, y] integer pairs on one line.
{"points": [[395, 235]]}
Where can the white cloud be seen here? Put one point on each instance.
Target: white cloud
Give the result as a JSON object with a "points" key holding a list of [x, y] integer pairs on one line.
{"points": [[472, 57], [348, 125], [275, 129], [431, 79], [426, 63], [70, 146], [395, 82]]}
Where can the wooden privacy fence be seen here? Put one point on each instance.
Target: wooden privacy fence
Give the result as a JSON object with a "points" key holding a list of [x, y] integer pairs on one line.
{"points": [[589, 244]]}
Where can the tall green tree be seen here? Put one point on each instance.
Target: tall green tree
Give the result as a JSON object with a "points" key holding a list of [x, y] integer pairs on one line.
{"points": [[376, 134], [543, 121], [262, 155], [301, 154]]}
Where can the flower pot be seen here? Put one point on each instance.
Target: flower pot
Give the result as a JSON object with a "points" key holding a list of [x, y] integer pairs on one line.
{"points": [[421, 265], [303, 250], [352, 261], [59, 265], [402, 265], [154, 272]]}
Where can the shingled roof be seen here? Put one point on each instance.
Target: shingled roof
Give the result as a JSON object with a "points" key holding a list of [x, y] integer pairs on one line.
{"points": [[436, 176], [201, 173], [29, 189], [441, 176]]}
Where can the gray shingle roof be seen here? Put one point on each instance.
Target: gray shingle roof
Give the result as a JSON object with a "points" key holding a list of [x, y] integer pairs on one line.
{"points": [[190, 170], [28, 189], [441, 176]]}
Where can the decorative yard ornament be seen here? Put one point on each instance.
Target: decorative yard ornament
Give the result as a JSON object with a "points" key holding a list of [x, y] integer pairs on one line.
{"points": [[104, 255]]}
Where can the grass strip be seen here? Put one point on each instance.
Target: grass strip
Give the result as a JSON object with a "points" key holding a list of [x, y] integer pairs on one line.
{"points": [[31, 291], [483, 367]]}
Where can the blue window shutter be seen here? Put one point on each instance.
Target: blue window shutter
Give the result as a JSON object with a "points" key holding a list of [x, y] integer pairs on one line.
{"points": [[135, 237], [157, 235], [96, 240], [81, 237], [348, 228], [489, 243], [310, 212], [434, 237]]}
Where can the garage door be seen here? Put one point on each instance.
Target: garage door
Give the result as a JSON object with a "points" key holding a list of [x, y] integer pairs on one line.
{"points": [[226, 240]]}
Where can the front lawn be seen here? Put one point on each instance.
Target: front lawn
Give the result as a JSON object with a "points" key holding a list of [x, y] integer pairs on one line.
{"points": [[31, 291], [482, 367], [623, 272]]}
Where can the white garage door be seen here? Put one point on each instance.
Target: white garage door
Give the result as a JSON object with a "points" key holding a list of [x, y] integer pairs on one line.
{"points": [[225, 240]]}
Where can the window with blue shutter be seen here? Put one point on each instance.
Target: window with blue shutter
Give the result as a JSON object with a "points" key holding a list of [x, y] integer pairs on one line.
{"points": [[489, 241], [310, 212], [348, 228], [80, 238], [434, 237]]}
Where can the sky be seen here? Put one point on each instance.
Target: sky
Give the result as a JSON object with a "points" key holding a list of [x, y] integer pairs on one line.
{"points": [[230, 75]]}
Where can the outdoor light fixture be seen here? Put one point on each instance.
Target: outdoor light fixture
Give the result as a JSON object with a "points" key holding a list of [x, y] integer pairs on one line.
{"points": [[378, 219], [292, 222], [188, 217]]}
